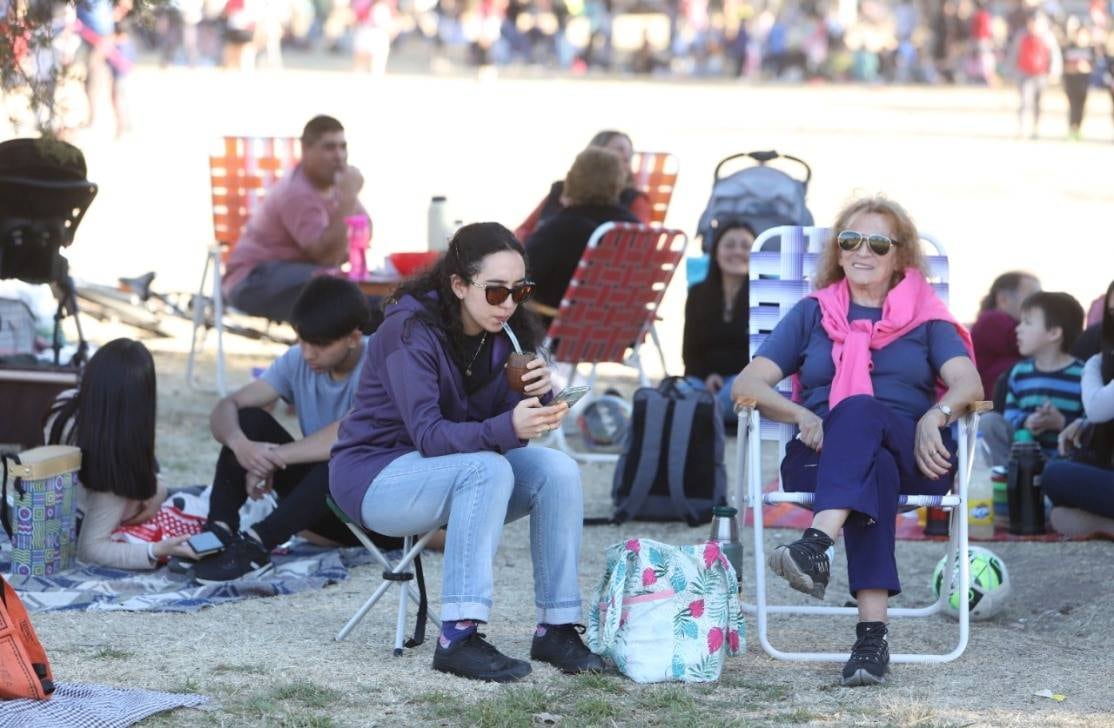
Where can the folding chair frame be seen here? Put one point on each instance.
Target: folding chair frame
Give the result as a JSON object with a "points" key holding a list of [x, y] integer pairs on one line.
{"points": [[239, 176], [393, 574], [654, 270], [748, 489]]}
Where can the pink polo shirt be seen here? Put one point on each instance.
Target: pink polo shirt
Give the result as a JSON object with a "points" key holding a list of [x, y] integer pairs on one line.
{"points": [[294, 214]]}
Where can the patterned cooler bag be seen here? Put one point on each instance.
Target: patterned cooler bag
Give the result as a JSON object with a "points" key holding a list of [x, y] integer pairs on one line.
{"points": [[665, 612], [39, 511]]}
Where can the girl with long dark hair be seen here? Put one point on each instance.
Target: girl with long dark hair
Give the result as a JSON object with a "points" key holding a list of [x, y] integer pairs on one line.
{"points": [[1082, 488], [111, 418], [436, 436], [716, 344]]}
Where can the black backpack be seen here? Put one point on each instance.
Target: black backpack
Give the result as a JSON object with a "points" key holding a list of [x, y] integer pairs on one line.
{"points": [[672, 466]]}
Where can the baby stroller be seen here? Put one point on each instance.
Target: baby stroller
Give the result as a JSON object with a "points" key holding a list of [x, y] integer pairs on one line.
{"points": [[762, 195], [43, 196]]}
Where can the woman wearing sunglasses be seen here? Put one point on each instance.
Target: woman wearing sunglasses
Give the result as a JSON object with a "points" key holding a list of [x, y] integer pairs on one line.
{"points": [[436, 437], [869, 347]]}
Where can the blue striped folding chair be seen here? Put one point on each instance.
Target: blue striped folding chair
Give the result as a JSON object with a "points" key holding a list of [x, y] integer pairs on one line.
{"points": [[778, 280]]}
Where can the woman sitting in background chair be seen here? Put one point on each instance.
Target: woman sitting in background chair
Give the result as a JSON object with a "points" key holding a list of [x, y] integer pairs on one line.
{"points": [[868, 346], [716, 343], [630, 197], [592, 188]]}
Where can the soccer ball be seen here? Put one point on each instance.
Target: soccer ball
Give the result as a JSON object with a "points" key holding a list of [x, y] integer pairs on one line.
{"points": [[990, 584]]}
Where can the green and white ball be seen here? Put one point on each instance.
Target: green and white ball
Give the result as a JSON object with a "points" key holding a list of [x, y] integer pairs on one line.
{"points": [[990, 584]]}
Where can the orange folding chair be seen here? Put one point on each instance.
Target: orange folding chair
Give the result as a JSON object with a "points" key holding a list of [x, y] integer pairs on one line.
{"points": [[240, 173], [655, 173], [611, 302]]}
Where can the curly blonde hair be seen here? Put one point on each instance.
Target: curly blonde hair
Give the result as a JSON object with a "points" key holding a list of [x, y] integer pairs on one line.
{"points": [[906, 237], [595, 178]]}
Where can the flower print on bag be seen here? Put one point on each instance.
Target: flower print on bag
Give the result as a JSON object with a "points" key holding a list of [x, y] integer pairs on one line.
{"points": [[715, 640], [649, 577], [711, 554], [733, 640], [696, 608], [633, 545]]}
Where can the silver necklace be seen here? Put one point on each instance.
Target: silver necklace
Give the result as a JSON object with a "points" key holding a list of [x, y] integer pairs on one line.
{"points": [[468, 369]]}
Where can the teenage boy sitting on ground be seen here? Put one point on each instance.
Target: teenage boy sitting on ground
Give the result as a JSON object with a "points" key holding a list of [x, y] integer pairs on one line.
{"points": [[1043, 391], [318, 377]]}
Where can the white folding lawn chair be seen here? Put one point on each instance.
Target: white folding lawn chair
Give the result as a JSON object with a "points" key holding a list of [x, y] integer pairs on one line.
{"points": [[397, 573], [778, 280]]}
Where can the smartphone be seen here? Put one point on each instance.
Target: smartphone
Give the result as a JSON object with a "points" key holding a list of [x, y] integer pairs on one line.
{"points": [[571, 395], [205, 543]]}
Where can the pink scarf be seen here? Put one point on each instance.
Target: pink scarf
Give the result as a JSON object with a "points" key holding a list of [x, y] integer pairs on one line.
{"points": [[909, 304]]}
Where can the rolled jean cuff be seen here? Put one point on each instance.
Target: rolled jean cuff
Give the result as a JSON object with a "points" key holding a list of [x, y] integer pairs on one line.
{"points": [[560, 613], [469, 609]]}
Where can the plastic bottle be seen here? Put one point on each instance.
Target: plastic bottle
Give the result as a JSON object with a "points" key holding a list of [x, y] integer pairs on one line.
{"points": [[725, 532], [359, 235], [980, 495], [438, 229]]}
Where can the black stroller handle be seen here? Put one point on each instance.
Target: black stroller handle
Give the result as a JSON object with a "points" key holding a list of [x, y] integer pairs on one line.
{"points": [[763, 158]]}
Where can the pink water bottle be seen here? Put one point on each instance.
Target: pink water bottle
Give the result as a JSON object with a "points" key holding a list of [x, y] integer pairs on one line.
{"points": [[359, 235]]}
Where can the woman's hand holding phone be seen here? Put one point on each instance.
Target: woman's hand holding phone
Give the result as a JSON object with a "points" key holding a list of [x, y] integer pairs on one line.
{"points": [[532, 420]]}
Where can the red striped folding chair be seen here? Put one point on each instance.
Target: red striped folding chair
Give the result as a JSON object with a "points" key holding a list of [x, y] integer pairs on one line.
{"points": [[778, 280], [611, 302], [240, 173], [655, 173]]}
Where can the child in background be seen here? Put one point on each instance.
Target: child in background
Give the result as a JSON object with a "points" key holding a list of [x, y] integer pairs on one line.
{"points": [[1043, 392]]}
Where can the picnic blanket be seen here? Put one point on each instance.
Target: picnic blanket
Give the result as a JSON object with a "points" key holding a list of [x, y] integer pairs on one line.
{"points": [[96, 588], [78, 705], [788, 515]]}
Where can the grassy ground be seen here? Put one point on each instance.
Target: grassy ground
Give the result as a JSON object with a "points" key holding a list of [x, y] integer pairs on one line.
{"points": [[950, 155], [273, 662]]}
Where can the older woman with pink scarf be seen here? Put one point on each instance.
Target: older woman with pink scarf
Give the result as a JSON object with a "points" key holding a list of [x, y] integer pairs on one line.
{"points": [[883, 369]]}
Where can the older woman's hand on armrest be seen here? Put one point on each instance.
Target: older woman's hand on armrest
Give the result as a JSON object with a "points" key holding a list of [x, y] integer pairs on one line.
{"points": [[757, 382], [964, 389]]}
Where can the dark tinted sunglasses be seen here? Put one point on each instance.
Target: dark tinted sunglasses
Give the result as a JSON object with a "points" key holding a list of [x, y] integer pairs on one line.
{"points": [[496, 294], [851, 241]]}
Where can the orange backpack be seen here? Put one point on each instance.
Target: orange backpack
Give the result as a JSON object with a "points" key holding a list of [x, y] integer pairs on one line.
{"points": [[24, 669]]}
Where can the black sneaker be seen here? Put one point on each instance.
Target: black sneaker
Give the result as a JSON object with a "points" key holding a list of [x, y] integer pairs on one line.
{"points": [[243, 557], [870, 657], [475, 658], [562, 647], [804, 563]]}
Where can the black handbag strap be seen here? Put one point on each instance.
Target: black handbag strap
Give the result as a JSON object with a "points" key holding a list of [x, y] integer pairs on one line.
{"points": [[5, 507]]}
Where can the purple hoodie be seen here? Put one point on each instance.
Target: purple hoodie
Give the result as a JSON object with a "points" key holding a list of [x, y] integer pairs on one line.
{"points": [[411, 396]]}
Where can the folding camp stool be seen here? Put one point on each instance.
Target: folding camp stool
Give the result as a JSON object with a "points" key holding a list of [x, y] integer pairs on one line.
{"points": [[397, 573]]}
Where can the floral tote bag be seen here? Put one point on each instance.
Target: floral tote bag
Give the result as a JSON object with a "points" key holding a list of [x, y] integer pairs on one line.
{"points": [[664, 612]]}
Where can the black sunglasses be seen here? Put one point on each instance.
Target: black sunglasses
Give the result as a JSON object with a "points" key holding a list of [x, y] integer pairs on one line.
{"points": [[850, 241], [496, 294]]}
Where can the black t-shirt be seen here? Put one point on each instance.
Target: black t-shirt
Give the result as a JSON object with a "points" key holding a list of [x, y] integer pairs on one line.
{"points": [[480, 365], [712, 345]]}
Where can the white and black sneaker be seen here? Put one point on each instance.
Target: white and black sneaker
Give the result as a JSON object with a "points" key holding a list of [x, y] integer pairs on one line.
{"points": [[243, 557], [804, 563], [870, 657]]}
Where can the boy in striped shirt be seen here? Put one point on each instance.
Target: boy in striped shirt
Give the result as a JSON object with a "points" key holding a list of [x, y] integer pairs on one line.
{"points": [[1043, 393]]}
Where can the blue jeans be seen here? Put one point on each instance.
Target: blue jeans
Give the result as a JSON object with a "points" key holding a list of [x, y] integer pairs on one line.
{"points": [[475, 494], [726, 405]]}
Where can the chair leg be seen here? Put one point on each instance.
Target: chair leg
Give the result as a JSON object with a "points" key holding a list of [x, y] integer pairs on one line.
{"points": [[218, 320], [403, 593], [661, 351], [198, 325]]}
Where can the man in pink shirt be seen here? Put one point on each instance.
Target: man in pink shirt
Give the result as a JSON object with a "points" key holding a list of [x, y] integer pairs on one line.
{"points": [[299, 230]]}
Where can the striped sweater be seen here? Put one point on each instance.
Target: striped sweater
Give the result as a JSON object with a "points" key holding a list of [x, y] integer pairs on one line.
{"points": [[1029, 388]]}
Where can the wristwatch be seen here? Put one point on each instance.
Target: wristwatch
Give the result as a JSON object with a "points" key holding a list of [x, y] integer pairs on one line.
{"points": [[946, 410]]}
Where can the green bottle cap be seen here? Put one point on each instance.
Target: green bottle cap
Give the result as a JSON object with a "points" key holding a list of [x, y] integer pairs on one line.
{"points": [[1023, 435], [725, 511]]}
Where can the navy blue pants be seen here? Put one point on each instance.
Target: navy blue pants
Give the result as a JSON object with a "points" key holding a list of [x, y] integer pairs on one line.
{"points": [[865, 463], [1078, 485]]}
